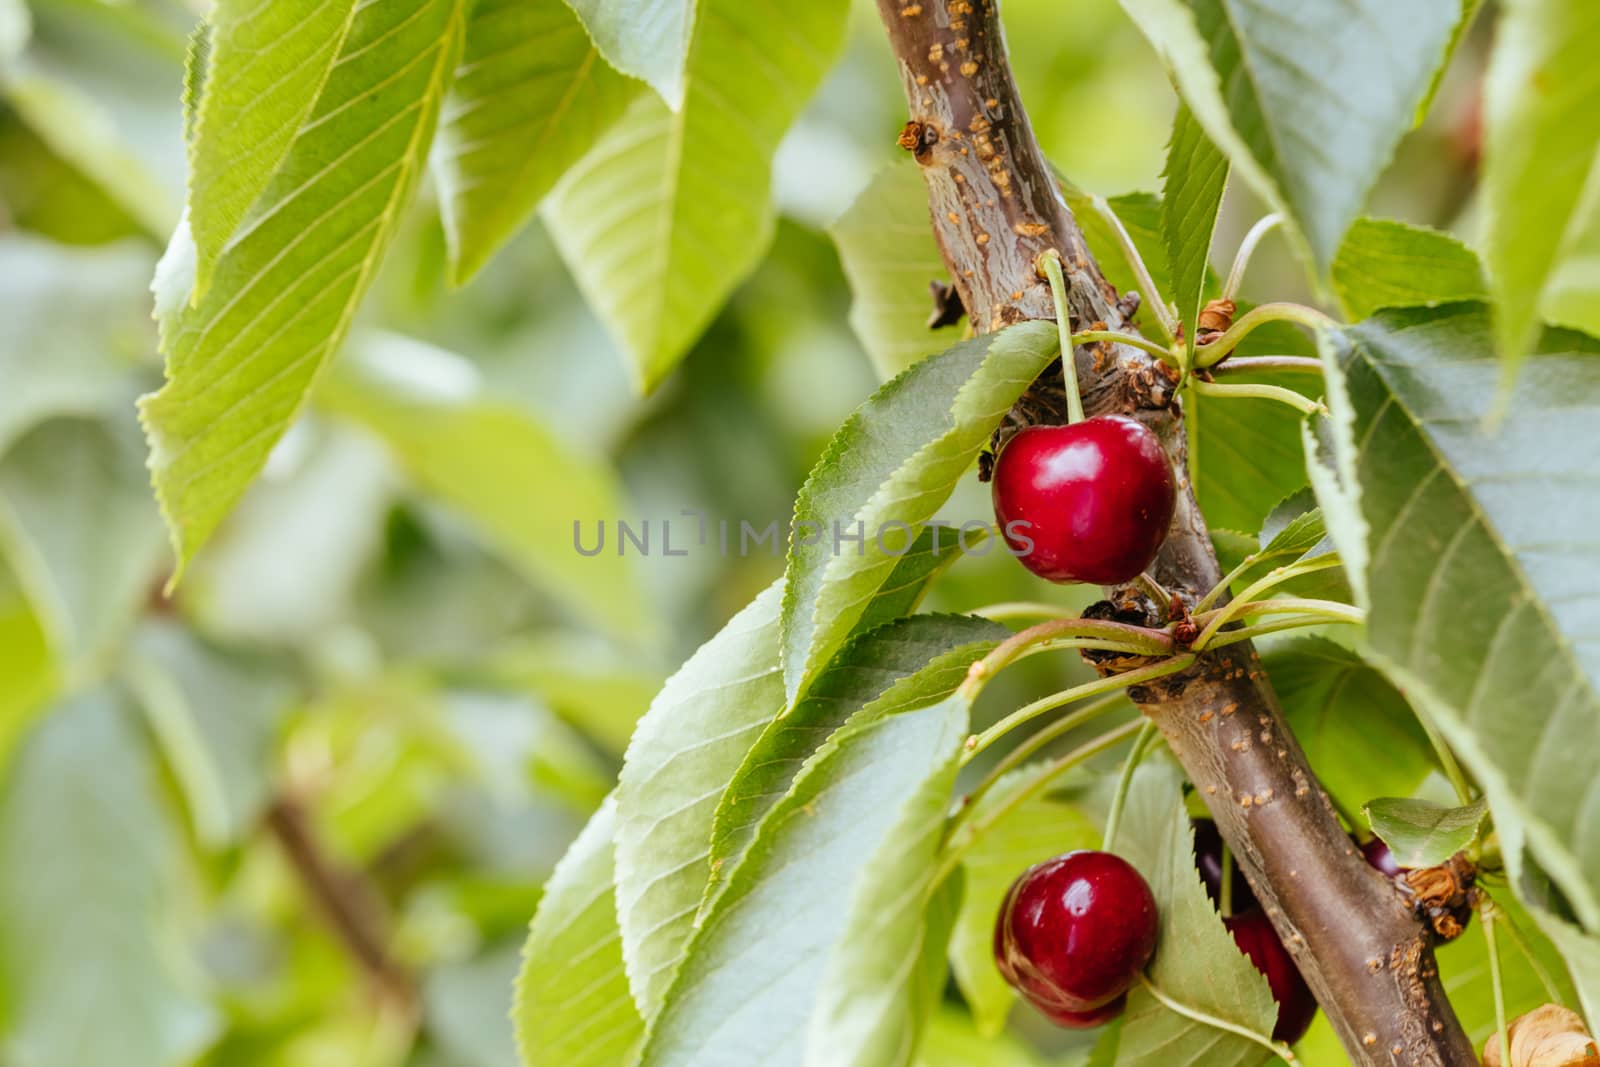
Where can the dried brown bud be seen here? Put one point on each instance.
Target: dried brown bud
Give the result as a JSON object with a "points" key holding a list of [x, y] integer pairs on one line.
{"points": [[1551, 1036], [1216, 315]]}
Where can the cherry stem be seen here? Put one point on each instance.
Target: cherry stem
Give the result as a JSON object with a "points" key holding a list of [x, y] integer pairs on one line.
{"points": [[1208, 354], [1153, 298], [1160, 669], [1275, 1047], [1487, 913], [1247, 248], [1133, 340], [1257, 391], [1055, 633], [1047, 773], [1119, 799], [1037, 740], [1275, 578], [1048, 263], [1252, 364]]}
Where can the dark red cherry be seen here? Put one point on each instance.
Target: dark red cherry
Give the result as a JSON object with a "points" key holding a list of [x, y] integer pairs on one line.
{"points": [[1380, 859], [1089, 502], [1074, 932], [1208, 858], [1254, 934]]}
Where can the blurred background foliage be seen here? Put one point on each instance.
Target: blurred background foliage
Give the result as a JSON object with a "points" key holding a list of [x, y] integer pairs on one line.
{"points": [[299, 813]]}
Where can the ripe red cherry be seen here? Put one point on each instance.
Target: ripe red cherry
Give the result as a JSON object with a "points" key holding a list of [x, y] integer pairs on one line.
{"points": [[1208, 858], [1089, 502], [1380, 858], [1258, 940], [1074, 932], [1087, 1020]]}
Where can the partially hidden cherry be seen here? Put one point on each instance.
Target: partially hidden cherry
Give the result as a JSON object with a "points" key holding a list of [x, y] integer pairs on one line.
{"points": [[1208, 858], [1254, 935], [1089, 502], [1380, 859], [1073, 934]]}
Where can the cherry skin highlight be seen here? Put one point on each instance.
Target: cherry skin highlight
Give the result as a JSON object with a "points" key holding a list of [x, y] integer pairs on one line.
{"points": [[1074, 933], [1254, 935], [1089, 502], [1208, 858]]}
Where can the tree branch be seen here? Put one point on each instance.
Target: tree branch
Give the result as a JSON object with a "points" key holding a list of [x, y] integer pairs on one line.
{"points": [[349, 905], [995, 206]]}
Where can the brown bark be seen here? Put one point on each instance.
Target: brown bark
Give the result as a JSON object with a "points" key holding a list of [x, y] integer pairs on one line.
{"points": [[995, 206]]}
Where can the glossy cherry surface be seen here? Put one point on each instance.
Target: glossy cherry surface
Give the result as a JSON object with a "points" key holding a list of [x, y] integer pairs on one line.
{"points": [[1208, 858], [1074, 932], [1254, 935], [1089, 502]]}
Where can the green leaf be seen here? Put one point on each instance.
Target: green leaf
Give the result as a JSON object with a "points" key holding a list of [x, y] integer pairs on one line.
{"points": [[265, 66], [684, 751], [747, 989], [425, 404], [15, 26], [903, 664], [1541, 152], [1196, 962], [871, 1008], [672, 209], [241, 359], [1249, 453], [1387, 264], [1481, 589], [78, 526], [649, 39], [75, 318], [531, 96], [25, 662], [1191, 195], [1421, 833], [572, 1007], [1307, 100], [89, 868], [895, 460], [1356, 728], [80, 131], [217, 716], [890, 255], [1293, 527], [1034, 831]]}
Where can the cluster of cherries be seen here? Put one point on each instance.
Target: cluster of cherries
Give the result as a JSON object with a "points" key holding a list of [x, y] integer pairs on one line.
{"points": [[1075, 932]]}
